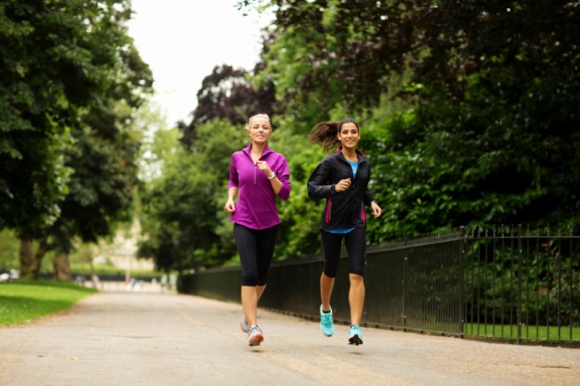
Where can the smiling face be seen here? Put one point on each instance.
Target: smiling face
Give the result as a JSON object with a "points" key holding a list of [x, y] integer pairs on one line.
{"points": [[259, 129], [349, 135]]}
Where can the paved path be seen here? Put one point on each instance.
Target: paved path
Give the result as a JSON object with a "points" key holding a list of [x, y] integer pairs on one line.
{"points": [[147, 338]]}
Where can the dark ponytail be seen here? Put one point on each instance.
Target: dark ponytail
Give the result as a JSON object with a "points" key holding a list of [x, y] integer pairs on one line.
{"points": [[325, 133]]}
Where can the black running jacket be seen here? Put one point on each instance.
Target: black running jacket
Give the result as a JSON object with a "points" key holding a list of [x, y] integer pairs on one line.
{"points": [[343, 209]]}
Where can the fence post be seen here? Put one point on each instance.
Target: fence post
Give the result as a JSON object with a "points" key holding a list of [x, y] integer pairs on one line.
{"points": [[405, 287], [519, 315], [462, 281]]}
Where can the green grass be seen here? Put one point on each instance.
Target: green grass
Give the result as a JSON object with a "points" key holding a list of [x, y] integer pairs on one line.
{"points": [[23, 300], [528, 332]]}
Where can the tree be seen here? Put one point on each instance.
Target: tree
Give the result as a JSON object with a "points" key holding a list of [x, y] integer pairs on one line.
{"points": [[44, 78], [82, 49], [183, 207], [104, 160], [494, 88], [228, 94]]}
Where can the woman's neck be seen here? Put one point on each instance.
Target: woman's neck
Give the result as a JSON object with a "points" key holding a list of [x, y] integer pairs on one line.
{"points": [[256, 151], [349, 154], [257, 148]]}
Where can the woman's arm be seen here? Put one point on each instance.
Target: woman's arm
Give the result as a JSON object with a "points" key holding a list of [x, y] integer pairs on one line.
{"points": [[317, 184], [230, 206], [281, 182]]}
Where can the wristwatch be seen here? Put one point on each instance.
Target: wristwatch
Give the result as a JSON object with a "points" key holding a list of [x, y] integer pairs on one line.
{"points": [[272, 176]]}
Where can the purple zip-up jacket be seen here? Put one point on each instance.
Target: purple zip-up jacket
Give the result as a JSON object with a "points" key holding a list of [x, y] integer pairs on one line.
{"points": [[256, 207]]}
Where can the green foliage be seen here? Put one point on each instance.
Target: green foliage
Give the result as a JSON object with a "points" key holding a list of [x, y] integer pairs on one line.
{"points": [[23, 301], [228, 94], [71, 81], [468, 113], [183, 206], [549, 284], [299, 215], [53, 68], [9, 245], [104, 156]]}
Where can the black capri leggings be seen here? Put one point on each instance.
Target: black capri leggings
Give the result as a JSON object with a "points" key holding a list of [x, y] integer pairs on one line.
{"points": [[256, 248], [355, 242]]}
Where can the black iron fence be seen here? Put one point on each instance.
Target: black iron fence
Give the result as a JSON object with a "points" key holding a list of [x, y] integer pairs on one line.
{"points": [[505, 283], [522, 284]]}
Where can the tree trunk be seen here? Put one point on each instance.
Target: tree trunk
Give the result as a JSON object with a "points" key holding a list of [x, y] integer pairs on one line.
{"points": [[62, 267], [25, 255], [36, 262]]}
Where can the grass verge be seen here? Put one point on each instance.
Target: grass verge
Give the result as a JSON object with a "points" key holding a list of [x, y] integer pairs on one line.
{"points": [[25, 300], [528, 332]]}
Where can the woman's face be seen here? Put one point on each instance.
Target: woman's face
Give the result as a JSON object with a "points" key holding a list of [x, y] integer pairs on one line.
{"points": [[259, 130], [349, 135]]}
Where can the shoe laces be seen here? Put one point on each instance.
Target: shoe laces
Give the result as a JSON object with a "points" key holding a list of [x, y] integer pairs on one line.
{"points": [[254, 329]]}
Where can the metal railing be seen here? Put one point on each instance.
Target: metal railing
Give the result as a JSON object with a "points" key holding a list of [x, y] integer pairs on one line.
{"points": [[502, 283], [522, 284]]}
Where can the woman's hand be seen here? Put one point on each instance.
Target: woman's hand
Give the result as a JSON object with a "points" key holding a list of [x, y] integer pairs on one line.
{"points": [[376, 209], [342, 185], [263, 165], [230, 207]]}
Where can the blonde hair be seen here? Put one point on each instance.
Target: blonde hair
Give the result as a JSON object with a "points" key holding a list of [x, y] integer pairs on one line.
{"points": [[258, 116]]}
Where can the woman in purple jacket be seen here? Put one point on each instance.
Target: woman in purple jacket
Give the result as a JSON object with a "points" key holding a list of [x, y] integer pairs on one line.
{"points": [[257, 176]]}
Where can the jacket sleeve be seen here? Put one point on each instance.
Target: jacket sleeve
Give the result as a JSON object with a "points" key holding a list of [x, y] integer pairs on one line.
{"points": [[284, 177], [368, 197], [319, 182], [233, 182]]}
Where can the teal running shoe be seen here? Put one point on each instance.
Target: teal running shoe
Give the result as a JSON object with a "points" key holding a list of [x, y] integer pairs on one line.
{"points": [[354, 335], [326, 322]]}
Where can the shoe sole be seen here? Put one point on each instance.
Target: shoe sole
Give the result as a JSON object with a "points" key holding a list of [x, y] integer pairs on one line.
{"points": [[356, 340], [256, 340], [325, 334]]}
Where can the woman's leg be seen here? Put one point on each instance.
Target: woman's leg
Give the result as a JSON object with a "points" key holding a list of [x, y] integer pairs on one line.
{"points": [[356, 298], [250, 291], [326, 286], [261, 249], [356, 247], [250, 297], [331, 245], [265, 245]]}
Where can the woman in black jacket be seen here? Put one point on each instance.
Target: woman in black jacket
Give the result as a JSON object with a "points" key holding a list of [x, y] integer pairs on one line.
{"points": [[342, 179]]}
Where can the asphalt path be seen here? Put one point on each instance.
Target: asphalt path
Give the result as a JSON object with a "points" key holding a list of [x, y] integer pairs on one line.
{"points": [[154, 338]]}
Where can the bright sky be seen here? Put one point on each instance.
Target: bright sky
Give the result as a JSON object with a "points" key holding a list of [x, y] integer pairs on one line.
{"points": [[183, 40]]}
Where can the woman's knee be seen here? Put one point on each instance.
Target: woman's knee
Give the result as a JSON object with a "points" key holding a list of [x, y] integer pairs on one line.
{"points": [[356, 278]]}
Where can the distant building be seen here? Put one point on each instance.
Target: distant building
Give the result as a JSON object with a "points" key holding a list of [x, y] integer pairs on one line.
{"points": [[123, 251]]}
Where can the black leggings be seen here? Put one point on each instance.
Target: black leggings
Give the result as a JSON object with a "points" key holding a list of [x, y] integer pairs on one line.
{"points": [[256, 249], [355, 242]]}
